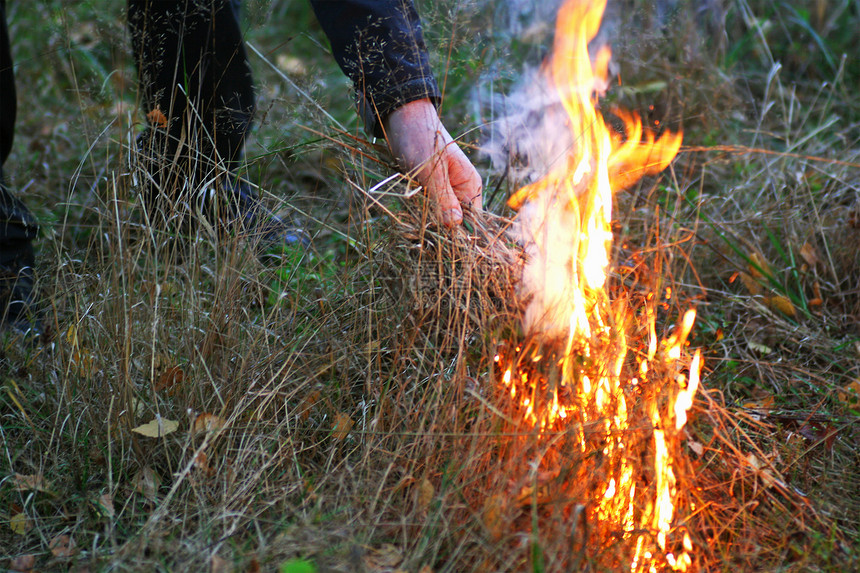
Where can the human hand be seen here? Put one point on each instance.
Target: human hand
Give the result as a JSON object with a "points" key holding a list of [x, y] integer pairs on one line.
{"points": [[426, 151]]}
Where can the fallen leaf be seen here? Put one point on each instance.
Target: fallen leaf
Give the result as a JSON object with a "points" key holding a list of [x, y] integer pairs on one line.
{"points": [[426, 491], [22, 563], [157, 427], [20, 523], [850, 394], [342, 426], [201, 462], [147, 482], [780, 304], [72, 335], [105, 504], [809, 255], [757, 262], [383, 558], [63, 546], [31, 482], [207, 423], [492, 515], [765, 475], [307, 404], [760, 348], [696, 447], [765, 403], [169, 378], [425, 569], [752, 285], [82, 362], [218, 565], [157, 118]]}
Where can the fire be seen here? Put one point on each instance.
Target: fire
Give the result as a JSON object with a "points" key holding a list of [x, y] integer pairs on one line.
{"points": [[577, 375]]}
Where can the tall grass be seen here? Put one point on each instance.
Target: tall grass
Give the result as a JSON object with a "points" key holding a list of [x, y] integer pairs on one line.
{"points": [[354, 420]]}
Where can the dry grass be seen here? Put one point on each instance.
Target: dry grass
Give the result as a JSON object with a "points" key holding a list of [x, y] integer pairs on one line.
{"points": [[364, 425]]}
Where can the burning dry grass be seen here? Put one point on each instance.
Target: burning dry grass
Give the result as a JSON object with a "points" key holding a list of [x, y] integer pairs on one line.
{"points": [[359, 419]]}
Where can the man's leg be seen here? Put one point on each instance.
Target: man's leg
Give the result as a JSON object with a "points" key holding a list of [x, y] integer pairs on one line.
{"points": [[197, 88], [18, 228]]}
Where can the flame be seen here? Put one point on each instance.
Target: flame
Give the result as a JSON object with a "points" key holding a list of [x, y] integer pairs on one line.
{"points": [[564, 221]]}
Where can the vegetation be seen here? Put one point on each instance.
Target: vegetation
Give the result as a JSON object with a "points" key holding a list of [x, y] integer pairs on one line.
{"points": [[336, 409]]}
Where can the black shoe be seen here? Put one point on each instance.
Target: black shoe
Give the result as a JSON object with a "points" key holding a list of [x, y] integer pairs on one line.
{"points": [[268, 233], [18, 310]]}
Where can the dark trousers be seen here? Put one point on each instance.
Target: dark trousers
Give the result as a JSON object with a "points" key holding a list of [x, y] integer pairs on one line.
{"points": [[195, 85], [17, 226]]}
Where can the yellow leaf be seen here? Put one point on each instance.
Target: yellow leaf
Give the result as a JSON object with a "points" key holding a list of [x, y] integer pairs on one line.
{"points": [[63, 546], [850, 394], [757, 262], [425, 494], [208, 423], [780, 304], [751, 284], [20, 523], [342, 426], [82, 362], [72, 335], [157, 427]]}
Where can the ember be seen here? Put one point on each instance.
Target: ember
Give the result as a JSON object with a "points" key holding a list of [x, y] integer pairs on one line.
{"points": [[600, 401]]}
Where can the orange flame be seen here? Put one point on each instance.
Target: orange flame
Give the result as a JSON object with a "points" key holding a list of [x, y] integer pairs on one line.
{"points": [[564, 220]]}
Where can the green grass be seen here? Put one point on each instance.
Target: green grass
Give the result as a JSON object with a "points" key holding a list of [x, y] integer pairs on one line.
{"points": [[353, 390]]}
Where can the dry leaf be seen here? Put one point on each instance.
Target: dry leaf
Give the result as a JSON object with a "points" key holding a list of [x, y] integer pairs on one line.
{"points": [[207, 423], [765, 475], [201, 462], [385, 558], [169, 378], [696, 447], [757, 262], [157, 118], [20, 523], [307, 404], [157, 427], [425, 569], [780, 304], [83, 362], [63, 546], [342, 426], [492, 515], [147, 482], [105, 502], [22, 563], [751, 284], [426, 491], [766, 403], [809, 255], [72, 335], [219, 565], [760, 348], [850, 394], [817, 299], [31, 482]]}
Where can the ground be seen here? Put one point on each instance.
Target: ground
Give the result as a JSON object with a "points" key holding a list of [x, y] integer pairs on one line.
{"points": [[337, 410]]}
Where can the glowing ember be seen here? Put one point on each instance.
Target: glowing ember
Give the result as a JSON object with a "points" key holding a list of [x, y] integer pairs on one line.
{"points": [[564, 221]]}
